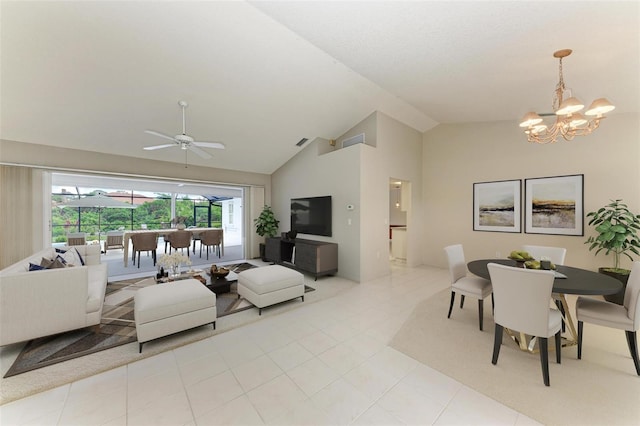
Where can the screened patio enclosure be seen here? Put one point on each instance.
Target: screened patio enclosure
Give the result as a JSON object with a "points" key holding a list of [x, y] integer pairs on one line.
{"points": [[158, 205]]}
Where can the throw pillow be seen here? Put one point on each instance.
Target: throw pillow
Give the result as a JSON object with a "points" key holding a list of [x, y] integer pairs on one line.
{"points": [[45, 263], [34, 267], [57, 263], [71, 255]]}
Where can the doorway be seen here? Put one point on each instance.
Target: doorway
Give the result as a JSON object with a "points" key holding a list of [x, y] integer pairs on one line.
{"points": [[399, 202]]}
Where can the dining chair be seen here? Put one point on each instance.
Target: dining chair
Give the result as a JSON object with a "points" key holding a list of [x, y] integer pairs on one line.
{"points": [[144, 241], [211, 238], [76, 238], [472, 286], [556, 255], [622, 317], [179, 239], [522, 304]]}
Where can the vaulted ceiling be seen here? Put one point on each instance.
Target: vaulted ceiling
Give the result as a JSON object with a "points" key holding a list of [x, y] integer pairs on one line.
{"points": [[259, 76]]}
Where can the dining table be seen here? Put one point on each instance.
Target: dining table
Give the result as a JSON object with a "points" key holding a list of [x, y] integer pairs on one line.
{"points": [[568, 280], [195, 233]]}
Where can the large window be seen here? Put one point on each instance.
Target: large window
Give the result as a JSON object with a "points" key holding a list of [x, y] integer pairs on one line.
{"points": [[153, 211]]}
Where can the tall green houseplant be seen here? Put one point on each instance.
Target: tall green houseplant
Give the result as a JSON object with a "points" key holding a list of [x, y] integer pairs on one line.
{"points": [[266, 223], [266, 226], [617, 229]]}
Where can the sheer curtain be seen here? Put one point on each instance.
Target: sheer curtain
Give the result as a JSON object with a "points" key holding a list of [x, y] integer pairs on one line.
{"points": [[16, 207]]}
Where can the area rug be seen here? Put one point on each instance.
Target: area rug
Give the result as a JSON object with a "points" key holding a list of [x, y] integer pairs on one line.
{"points": [[600, 389], [117, 326]]}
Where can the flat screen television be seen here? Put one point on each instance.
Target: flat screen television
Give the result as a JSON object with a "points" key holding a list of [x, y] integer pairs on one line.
{"points": [[311, 215]]}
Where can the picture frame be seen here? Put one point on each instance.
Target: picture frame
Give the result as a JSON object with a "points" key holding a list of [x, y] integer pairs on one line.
{"points": [[497, 206], [554, 205]]}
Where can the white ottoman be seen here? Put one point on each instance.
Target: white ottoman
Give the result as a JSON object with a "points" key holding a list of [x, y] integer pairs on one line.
{"points": [[269, 285], [168, 308]]}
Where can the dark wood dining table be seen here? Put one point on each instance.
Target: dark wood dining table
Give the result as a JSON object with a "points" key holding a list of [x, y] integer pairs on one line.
{"points": [[571, 281]]}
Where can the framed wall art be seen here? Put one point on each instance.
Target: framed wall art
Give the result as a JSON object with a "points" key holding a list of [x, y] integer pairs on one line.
{"points": [[497, 206], [554, 205]]}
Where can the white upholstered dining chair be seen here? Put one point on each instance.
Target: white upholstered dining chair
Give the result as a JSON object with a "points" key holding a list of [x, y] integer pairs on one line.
{"points": [[556, 255], [622, 317], [472, 286], [522, 299]]}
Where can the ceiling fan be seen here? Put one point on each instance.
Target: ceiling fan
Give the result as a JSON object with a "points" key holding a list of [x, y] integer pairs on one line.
{"points": [[184, 141]]}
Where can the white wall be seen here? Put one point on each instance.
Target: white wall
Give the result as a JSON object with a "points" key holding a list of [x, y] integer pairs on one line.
{"points": [[457, 155], [358, 175], [311, 174]]}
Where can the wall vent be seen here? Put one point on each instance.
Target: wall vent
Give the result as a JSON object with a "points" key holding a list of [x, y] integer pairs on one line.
{"points": [[353, 140], [302, 141]]}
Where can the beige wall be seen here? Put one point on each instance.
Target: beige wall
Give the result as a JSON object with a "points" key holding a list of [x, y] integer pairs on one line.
{"points": [[455, 156], [358, 175], [310, 174], [43, 157]]}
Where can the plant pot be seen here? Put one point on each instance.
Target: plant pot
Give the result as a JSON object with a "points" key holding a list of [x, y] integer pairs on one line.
{"points": [[263, 250], [617, 298]]}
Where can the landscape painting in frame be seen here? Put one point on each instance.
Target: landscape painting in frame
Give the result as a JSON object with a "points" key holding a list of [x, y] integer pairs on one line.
{"points": [[496, 206], [554, 205]]}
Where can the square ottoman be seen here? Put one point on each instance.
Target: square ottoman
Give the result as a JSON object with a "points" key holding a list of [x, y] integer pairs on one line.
{"points": [[164, 309], [269, 285]]}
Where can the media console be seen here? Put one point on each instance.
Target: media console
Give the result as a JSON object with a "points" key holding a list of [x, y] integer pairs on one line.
{"points": [[314, 257]]}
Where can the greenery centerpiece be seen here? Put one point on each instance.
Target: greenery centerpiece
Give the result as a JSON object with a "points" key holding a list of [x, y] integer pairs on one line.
{"points": [[266, 226], [180, 222], [617, 229]]}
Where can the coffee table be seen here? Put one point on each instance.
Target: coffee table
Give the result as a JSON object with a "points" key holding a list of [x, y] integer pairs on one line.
{"points": [[221, 285], [216, 285]]}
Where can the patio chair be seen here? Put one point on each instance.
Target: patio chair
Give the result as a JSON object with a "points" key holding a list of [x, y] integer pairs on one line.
{"points": [[76, 239], [211, 238], [144, 241], [115, 240], [179, 239]]}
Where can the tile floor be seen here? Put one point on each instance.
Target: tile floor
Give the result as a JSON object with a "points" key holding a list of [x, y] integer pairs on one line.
{"points": [[325, 363]]}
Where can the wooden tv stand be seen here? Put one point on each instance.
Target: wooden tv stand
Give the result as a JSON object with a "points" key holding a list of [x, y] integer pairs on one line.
{"points": [[314, 257]]}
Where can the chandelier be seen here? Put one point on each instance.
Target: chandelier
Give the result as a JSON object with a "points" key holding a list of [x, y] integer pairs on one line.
{"points": [[569, 121]]}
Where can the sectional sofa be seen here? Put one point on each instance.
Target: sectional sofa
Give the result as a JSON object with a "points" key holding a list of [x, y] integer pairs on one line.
{"points": [[39, 303]]}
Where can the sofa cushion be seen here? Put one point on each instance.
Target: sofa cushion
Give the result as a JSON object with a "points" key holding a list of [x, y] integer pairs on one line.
{"points": [[270, 278]]}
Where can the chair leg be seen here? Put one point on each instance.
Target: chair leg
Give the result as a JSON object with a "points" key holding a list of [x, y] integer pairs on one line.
{"points": [[453, 298], [493, 304], [558, 347], [544, 359], [497, 342], [138, 259], [153, 253], [561, 309], [461, 301], [580, 326], [480, 312], [632, 341]]}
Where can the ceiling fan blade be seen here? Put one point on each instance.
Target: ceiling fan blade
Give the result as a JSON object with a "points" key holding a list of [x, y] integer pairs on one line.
{"points": [[216, 145], [200, 152], [151, 148], [162, 135]]}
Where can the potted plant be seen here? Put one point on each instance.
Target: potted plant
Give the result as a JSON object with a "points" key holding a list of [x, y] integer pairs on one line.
{"points": [[266, 226], [180, 222], [617, 229]]}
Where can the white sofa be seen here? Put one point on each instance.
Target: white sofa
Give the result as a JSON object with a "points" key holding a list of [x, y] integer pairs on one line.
{"points": [[40, 303]]}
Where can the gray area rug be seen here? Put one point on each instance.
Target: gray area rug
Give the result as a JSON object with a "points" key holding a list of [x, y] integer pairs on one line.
{"points": [[117, 326], [600, 389]]}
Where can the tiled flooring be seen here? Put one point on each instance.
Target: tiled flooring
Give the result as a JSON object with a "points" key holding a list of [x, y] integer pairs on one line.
{"points": [[325, 363]]}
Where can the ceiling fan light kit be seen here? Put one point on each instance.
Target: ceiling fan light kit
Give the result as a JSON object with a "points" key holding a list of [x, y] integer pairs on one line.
{"points": [[569, 122], [184, 141]]}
